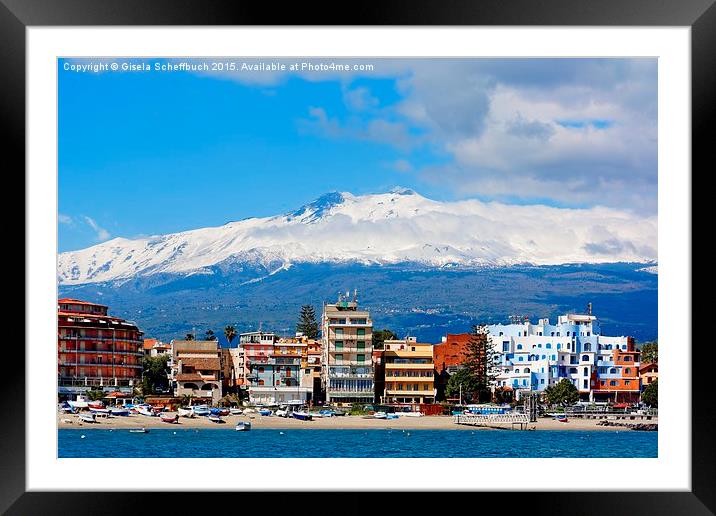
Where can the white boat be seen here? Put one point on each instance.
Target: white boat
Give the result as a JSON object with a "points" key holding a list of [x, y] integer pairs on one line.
{"points": [[236, 411], [186, 412], [144, 411], [215, 419], [282, 412], [100, 411], [249, 411], [412, 414], [380, 415], [243, 426], [87, 418], [138, 431]]}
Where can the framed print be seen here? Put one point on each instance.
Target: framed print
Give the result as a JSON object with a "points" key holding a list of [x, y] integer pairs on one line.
{"points": [[425, 249]]}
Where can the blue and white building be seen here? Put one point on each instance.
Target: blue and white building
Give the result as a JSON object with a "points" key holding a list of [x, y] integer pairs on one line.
{"points": [[531, 357]]}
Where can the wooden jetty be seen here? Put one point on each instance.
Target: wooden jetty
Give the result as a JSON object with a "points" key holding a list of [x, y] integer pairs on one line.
{"points": [[493, 420]]}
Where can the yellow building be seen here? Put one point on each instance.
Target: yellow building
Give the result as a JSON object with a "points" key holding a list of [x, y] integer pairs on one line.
{"points": [[409, 376]]}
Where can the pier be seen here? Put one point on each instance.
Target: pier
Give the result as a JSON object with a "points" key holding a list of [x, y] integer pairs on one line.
{"points": [[493, 420]]}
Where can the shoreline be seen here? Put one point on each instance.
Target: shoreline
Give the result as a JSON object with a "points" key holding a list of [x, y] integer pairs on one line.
{"points": [[329, 423]]}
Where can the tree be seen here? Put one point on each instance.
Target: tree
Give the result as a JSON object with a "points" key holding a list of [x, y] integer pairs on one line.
{"points": [[463, 381], [95, 394], [209, 335], [189, 336], [155, 374], [307, 322], [650, 396], [230, 333], [649, 352], [480, 359], [564, 393], [380, 336]]}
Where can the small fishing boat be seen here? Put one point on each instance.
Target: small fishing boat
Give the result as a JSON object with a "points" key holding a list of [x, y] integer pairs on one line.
{"points": [[188, 412], [265, 412], [326, 413], [302, 415], [79, 404], [380, 415], [391, 416], [144, 411], [100, 411], [118, 411], [95, 404], [138, 431], [236, 411], [249, 411], [561, 418], [224, 412], [170, 418], [200, 410], [412, 414], [243, 426], [214, 418], [87, 418]]}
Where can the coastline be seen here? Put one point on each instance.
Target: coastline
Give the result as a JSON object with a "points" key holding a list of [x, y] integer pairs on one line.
{"points": [[329, 423]]}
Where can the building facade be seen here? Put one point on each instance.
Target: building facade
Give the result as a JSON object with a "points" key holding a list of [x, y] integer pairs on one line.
{"points": [[197, 369], [409, 372], [531, 357], [155, 348], [95, 350], [447, 357], [648, 373], [347, 347]]}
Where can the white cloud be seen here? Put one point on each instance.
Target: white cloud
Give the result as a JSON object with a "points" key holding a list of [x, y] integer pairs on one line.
{"points": [[101, 233], [64, 219]]}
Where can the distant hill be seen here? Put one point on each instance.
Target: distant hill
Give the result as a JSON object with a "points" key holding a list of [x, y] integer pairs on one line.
{"points": [[410, 298]]}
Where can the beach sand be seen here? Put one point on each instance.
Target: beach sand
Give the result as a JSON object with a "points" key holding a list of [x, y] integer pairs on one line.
{"points": [[340, 422]]}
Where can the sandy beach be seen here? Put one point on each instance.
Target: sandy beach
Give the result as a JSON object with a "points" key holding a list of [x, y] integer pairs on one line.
{"points": [[341, 422]]}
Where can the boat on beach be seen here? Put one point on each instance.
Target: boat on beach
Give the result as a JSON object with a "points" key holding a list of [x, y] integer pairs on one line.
{"points": [[380, 415], [144, 411], [236, 411], [200, 410], [302, 415], [119, 411], [169, 418], [243, 426], [187, 412], [265, 412], [87, 418], [214, 418], [100, 411]]}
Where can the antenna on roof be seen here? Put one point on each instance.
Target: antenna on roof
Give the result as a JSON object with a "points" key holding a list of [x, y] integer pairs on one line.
{"points": [[589, 308], [355, 295]]}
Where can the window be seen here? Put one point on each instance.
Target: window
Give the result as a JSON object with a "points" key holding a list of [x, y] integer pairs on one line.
{"points": [[361, 358], [586, 371], [527, 369], [613, 370], [585, 358], [548, 346], [541, 381], [361, 344], [339, 357], [361, 331], [612, 383], [552, 334], [339, 345], [584, 384], [519, 346], [339, 331], [501, 334], [567, 334], [559, 346], [505, 346]]}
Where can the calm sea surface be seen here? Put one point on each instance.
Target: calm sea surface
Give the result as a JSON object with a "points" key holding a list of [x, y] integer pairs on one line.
{"points": [[355, 443]]}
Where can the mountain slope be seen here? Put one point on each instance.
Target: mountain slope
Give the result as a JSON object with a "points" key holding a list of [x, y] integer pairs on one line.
{"points": [[388, 228]]}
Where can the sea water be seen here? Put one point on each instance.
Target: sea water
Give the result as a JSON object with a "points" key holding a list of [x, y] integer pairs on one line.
{"points": [[215, 443]]}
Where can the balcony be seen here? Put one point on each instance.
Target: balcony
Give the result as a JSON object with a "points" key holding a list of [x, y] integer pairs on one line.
{"points": [[350, 336], [365, 363], [102, 352], [100, 364], [351, 349]]}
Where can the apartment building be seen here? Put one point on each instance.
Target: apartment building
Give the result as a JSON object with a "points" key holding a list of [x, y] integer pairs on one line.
{"points": [[347, 347], [197, 369], [409, 372], [95, 350], [531, 357]]}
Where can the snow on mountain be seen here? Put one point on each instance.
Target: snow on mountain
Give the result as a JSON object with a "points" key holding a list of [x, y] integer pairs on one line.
{"points": [[398, 226]]}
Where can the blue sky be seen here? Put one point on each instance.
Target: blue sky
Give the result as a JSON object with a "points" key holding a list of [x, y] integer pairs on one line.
{"points": [[144, 153]]}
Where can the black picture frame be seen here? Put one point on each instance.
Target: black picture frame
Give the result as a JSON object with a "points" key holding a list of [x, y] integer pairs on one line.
{"points": [[700, 15]]}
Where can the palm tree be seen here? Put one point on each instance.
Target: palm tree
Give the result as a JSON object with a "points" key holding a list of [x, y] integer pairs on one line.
{"points": [[210, 335], [189, 336], [230, 333]]}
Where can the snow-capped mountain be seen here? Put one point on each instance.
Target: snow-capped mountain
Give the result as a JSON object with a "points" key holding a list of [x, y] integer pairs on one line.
{"points": [[386, 228]]}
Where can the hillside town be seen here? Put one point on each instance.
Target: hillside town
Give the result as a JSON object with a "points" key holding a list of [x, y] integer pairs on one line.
{"points": [[342, 361]]}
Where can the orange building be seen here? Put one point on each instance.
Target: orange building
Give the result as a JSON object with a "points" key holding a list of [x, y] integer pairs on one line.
{"points": [[447, 356], [620, 382], [649, 373], [95, 350]]}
